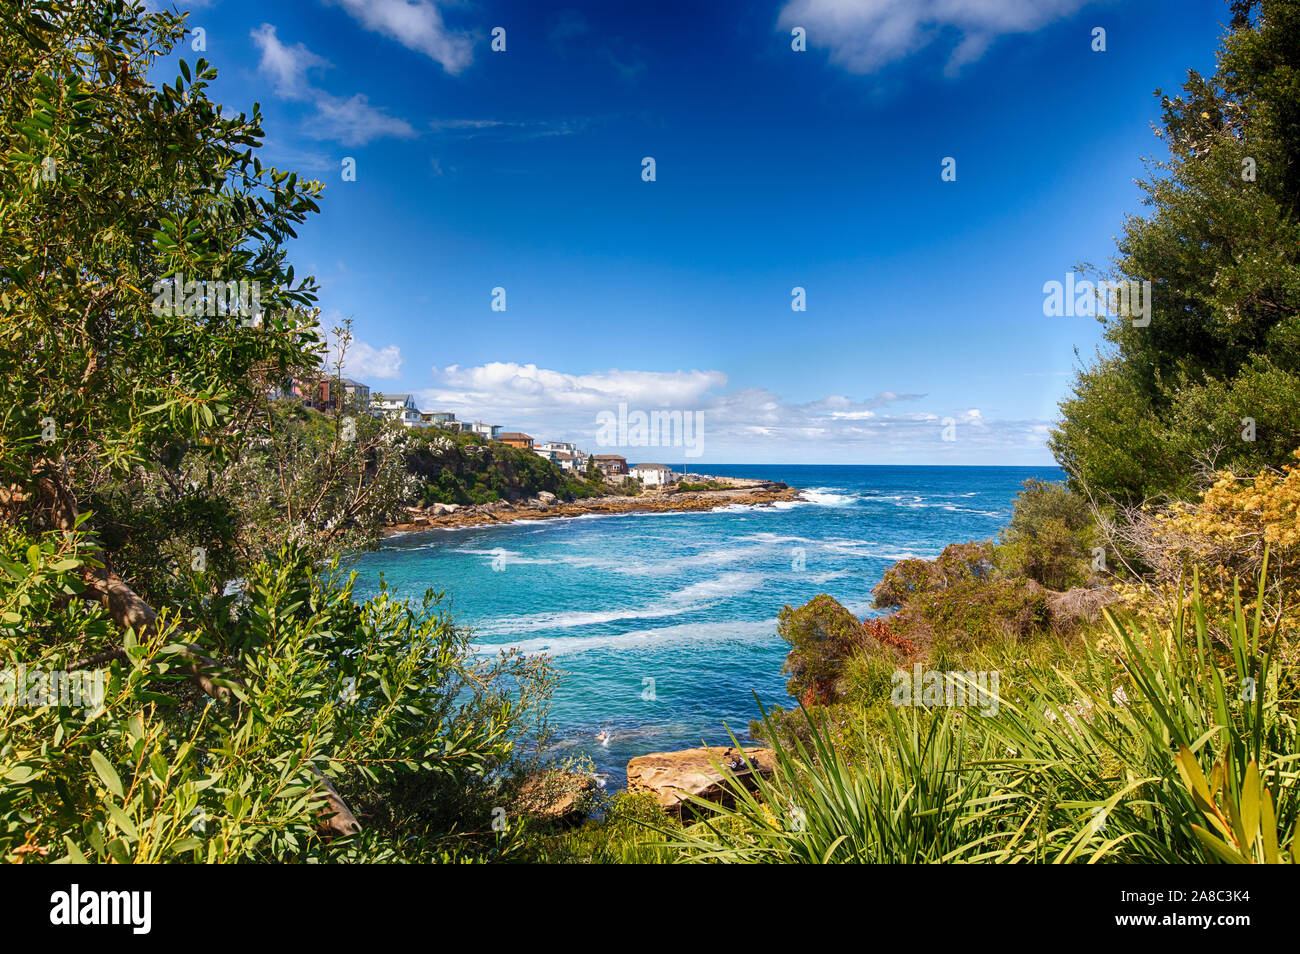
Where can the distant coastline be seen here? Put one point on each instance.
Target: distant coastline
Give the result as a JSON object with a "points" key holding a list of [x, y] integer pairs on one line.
{"points": [[731, 491]]}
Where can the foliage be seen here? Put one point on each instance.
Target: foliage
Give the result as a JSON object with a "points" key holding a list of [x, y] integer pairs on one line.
{"points": [[631, 831], [958, 563], [960, 599], [1226, 534], [1050, 537], [383, 696], [974, 612], [822, 635], [111, 185], [252, 710], [466, 469], [1221, 248], [707, 485], [1104, 761]]}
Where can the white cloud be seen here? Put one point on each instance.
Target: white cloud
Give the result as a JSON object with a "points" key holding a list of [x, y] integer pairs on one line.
{"points": [[286, 65], [865, 35], [354, 122], [351, 121], [417, 25], [507, 384], [363, 361], [742, 424]]}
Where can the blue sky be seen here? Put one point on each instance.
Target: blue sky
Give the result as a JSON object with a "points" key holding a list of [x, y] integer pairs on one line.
{"points": [[775, 168]]}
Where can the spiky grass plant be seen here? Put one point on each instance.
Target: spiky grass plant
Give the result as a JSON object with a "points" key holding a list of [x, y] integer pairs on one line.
{"points": [[1179, 749]]}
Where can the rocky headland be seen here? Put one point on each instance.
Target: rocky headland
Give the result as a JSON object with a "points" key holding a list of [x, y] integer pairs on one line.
{"points": [[729, 491]]}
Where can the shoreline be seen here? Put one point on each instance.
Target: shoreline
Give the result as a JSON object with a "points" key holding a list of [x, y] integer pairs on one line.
{"points": [[744, 492]]}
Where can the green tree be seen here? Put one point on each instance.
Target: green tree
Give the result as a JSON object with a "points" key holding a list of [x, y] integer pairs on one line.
{"points": [[280, 719], [1221, 248]]}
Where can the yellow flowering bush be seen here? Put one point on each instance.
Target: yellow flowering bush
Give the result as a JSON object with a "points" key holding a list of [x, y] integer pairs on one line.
{"points": [[1225, 536]]}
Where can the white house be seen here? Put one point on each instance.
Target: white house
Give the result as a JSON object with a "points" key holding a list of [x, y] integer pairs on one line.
{"points": [[567, 447], [570, 462], [443, 419], [397, 407], [490, 431], [653, 475]]}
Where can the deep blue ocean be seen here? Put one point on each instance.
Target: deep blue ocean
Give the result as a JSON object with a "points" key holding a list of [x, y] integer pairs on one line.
{"points": [[664, 625]]}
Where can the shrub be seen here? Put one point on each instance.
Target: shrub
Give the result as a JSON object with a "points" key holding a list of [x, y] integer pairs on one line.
{"points": [[323, 707], [974, 612], [958, 563], [822, 635], [1224, 535], [632, 831], [1172, 751], [1050, 536]]}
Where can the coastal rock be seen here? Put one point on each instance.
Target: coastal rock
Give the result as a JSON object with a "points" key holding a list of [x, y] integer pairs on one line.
{"points": [[753, 493], [556, 795], [546, 497], [671, 777]]}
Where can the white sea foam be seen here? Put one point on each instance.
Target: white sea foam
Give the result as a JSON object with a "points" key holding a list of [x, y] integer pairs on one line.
{"points": [[696, 596], [829, 496], [657, 638]]}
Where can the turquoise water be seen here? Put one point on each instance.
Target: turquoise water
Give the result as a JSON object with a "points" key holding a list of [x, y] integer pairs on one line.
{"points": [[688, 600]]}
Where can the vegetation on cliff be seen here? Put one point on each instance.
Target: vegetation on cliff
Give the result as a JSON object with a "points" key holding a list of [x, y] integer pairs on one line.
{"points": [[468, 469]]}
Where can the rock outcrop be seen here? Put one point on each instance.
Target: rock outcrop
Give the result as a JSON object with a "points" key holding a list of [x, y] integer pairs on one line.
{"points": [[672, 777], [556, 795], [757, 493]]}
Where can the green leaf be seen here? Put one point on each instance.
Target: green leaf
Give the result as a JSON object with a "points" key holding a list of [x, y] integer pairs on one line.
{"points": [[122, 821], [20, 773], [74, 853], [1219, 848], [107, 774], [1250, 806]]}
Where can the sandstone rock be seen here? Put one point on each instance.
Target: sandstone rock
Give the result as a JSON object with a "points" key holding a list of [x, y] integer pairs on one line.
{"points": [[555, 795], [546, 497], [673, 776]]}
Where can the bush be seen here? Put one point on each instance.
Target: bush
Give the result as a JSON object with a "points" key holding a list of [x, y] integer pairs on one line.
{"points": [[1166, 752], [1050, 537], [632, 831], [958, 601], [823, 635], [958, 563], [380, 703], [975, 612]]}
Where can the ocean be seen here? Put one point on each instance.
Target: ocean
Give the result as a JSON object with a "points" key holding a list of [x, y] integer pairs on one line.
{"points": [[663, 625]]}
